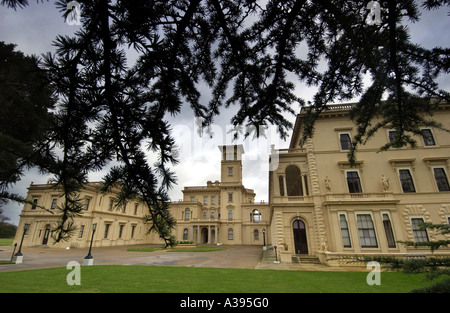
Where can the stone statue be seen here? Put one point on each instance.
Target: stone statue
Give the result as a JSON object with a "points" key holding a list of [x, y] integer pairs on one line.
{"points": [[385, 183], [327, 184], [323, 244]]}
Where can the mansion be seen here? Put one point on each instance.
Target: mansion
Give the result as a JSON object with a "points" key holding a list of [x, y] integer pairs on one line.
{"points": [[319, 206]]}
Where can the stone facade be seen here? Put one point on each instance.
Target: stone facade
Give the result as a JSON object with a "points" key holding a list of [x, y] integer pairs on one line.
{"points": [[319, 206], [324, 207], [218, 213], [222, 212], [114, 226]]}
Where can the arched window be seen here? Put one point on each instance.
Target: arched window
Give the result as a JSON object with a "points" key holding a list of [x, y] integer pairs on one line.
{"points": [[256, 235], [185, 234], [255, 216], [230, 234], [187, 214], [293, 181]]}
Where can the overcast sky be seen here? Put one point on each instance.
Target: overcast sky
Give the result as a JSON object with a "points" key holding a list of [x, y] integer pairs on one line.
{"points": [[34, 28]]}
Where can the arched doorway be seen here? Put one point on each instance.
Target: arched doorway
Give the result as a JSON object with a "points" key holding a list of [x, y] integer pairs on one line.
{"points": [[300, 241]]}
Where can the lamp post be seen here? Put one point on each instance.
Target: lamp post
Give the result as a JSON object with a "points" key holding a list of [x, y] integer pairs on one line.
{"points": [[276, 255], [264, 238], [89, 259], [18, 257], [12, 255]]}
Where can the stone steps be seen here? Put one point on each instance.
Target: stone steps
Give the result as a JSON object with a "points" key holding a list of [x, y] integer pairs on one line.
{"points": [[305, 259]]}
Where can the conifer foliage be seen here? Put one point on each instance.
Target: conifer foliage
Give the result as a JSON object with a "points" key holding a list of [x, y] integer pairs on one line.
{"points": [[250, 54]]}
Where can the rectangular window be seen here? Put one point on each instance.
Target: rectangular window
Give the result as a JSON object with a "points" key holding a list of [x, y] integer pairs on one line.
{"points": [[213, 200], [230, 214], [389, 231], [345, 141], [366, 231], [406, 180], [392, 134], [281, 183], [230, 171], [256, 235], [86, 204], [230, 234], [133, 227], [205, 200], [211, 215], [441, 179], [353, 182], [34, 205], [111, 203], [135, 208], [53, 205], [80, 234], [344, 231], [230, 197], [121, 230], [428, 138], [420, 235], [105, 235]]}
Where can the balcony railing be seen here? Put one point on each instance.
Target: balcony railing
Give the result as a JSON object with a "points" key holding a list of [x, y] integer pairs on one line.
{"points": [[383, 196]]}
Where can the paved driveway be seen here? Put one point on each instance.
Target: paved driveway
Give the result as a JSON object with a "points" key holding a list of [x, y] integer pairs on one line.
{"points": [[232, 257]]}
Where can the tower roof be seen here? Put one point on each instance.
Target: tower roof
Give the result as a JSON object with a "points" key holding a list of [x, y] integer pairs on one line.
{"points": [[231, 148]]}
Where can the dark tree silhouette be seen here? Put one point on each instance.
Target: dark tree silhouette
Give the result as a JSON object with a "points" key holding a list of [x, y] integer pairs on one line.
{"points": [[249, 54]]}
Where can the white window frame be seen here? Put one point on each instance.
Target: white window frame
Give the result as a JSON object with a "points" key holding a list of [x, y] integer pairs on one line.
{"points": [[411, 217], [432, 134], [392, 226], [374, 229], [360, 180], [387, 134], [339, 140], [434, 177], [348, 228], [412, 177]]}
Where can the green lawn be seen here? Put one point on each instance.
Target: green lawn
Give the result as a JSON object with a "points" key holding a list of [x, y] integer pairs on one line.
{"points": [[166, 279], [6, 241]]}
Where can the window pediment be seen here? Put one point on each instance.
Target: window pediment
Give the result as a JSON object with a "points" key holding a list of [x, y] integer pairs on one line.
{"points": [[345, 165], [402, 163]]}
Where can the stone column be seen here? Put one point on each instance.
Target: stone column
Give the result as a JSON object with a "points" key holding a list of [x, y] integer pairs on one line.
{"points": [[215, 234], [209, 234], [198, 234]]}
